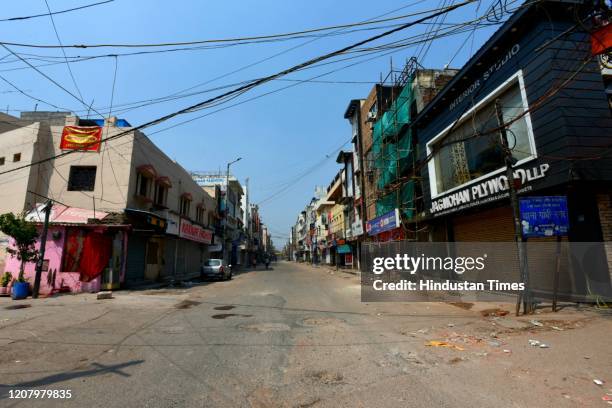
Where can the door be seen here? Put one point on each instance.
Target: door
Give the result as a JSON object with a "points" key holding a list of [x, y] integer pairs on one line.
{"points": [[154, 259]]}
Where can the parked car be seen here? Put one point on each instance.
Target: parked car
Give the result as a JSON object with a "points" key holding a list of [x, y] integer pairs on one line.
{"points": [[216, 268]]}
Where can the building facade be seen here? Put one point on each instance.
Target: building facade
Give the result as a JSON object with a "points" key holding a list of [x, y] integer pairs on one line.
{"points": [[126, 176]]}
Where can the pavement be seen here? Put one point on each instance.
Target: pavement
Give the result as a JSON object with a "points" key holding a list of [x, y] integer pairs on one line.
{"points": [[297, 336]]}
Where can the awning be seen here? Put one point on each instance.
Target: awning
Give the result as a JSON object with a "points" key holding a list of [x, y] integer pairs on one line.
{"points": [[344, 249], [164, 181], [60, 214], [187, 196], [147, 170]]}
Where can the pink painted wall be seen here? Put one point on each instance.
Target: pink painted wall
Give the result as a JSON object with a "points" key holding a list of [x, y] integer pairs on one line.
{"points": [[53, 252]]}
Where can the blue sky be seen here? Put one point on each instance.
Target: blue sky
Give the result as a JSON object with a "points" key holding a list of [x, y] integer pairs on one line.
{"points": [[279, 135]]}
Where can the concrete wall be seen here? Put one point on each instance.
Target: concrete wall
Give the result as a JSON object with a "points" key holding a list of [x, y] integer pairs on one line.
{"points": [[145, 152], [14, 196], [116, 165], [53, 252]]}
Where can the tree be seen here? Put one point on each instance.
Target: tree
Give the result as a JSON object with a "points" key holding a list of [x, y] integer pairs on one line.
{"points": [[24, 234]]}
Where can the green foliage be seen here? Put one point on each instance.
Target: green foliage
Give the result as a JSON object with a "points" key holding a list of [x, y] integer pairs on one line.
{"points": [[24, 233], [6, 279]]}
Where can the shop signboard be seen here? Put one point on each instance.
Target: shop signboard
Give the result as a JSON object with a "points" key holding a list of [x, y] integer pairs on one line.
{"points": [[357, 228], [195, 233], [486, 191], [385, 222], [544, 216]]}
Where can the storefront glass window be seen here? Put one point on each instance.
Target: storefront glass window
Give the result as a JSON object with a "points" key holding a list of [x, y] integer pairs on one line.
{"points": [[471, 150]]}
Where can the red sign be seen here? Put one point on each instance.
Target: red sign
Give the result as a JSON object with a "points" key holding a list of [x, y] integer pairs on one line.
{"points": [[81, 138], [195, 233], [348, 259]]}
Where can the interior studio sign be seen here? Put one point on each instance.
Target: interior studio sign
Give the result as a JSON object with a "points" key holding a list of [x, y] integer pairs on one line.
{"points": [[486, 191], [486, 75]]}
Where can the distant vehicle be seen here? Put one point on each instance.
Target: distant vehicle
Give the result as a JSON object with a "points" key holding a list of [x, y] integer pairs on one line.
{"points": [[216, 268]]}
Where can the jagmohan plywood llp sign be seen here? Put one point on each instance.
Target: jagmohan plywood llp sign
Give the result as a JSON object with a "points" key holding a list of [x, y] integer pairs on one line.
{"points": [[85, 138], [486, 191], [194, 232]]}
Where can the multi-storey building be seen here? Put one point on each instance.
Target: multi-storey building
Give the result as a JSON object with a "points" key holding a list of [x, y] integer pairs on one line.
{"points": [[128, 200]]}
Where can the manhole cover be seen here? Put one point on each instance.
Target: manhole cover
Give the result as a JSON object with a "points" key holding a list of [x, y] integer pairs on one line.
{"points": [[267, 327]]}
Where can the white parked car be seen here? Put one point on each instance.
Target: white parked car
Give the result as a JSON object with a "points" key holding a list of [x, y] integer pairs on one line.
{"points": [[216, 268]]}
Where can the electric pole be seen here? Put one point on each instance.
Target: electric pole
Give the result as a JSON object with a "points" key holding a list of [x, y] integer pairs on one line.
{"points": [[516, 217], [43, 244]]}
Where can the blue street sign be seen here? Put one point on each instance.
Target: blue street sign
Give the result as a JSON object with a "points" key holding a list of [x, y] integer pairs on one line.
{"points": [[544, 216], [385, 222]]}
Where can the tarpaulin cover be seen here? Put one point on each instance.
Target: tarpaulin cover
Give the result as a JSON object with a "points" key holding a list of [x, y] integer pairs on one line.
{"points": [[96, 254]]}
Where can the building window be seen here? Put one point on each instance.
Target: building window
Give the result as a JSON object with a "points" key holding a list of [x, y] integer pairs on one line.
{"points": [[82, 178], [473, 148], [200, 214], [161, 195], [143, 185], [185, 204], [17, 157], [2, 161]]}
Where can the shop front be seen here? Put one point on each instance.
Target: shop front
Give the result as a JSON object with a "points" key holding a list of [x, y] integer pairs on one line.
{"points": [[513, 102], [193, 244], [146, 246], [85, 251]]}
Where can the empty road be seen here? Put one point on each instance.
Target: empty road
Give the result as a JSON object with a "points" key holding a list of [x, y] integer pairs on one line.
{"points": [[294, 336]]}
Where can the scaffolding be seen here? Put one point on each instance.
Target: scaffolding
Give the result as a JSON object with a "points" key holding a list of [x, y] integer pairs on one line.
{"points": [[393, 149]]}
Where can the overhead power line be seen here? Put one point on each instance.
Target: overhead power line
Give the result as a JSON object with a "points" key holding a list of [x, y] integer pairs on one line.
{"points": [[56, 12], [242, 89], [221, 40], [63, 51]]}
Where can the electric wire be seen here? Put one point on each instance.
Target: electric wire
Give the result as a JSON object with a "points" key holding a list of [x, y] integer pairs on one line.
{"points": [[247, 87]]}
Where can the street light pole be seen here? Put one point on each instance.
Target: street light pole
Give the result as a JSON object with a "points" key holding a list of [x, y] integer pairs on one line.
{"points": [[227, 173]]}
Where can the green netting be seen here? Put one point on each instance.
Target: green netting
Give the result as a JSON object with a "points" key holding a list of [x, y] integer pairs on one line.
{"points": [[392, 154], [402, 198], [389, 146]]}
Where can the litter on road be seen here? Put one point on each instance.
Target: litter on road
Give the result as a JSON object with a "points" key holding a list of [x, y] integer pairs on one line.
{"points": [[436, 343]]}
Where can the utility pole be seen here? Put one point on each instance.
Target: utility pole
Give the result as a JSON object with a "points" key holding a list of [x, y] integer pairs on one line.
{"points": [[43, 244], [525, 297]]}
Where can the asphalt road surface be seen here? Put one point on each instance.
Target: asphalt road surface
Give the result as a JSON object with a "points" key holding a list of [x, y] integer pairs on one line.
{"points": [[293, 336]]}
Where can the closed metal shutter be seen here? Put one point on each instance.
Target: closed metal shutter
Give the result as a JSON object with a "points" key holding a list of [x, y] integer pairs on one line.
{"points": [[493, 225], [135, 266]]}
